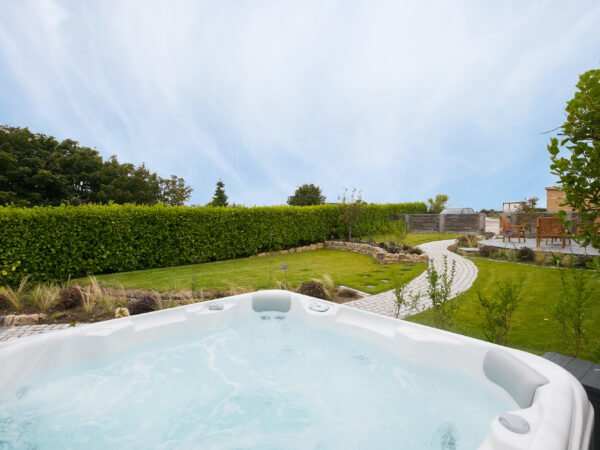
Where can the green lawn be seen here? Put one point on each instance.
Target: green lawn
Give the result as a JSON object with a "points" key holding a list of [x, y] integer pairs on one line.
{"points": [[346, 268], [533, 329], [412, 239]]}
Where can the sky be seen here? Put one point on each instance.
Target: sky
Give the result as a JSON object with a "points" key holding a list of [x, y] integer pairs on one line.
{"points": [[402, 100]]}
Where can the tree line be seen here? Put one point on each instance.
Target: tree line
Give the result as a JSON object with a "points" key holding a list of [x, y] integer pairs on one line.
{"points": [[39, 170]]}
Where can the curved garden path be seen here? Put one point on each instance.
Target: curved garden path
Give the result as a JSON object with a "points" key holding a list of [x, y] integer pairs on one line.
{"points": [[384, 303]]}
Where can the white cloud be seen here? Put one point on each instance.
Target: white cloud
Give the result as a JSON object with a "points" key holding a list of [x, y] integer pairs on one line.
{"points": [[404, 99]]}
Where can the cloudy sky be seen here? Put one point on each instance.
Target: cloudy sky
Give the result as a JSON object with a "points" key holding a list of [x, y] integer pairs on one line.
{"points": [[400, 99]]}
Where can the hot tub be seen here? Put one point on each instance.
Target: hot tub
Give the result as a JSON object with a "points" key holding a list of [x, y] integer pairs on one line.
{"points": [[278, 370]]}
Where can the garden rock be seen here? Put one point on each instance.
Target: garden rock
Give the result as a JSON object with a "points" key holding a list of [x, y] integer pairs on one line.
{"points": [[21, 319], [121, 312]]}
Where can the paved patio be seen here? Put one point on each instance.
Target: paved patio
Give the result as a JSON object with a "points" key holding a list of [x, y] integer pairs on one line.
{"points": [[384, 303], [572, 248]]}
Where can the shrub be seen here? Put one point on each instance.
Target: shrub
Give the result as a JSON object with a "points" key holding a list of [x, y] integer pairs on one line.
{"points": [[414, 251], [467, 240], [439, 290], [313, 288], [498, 311], [525, 254], [486, 251], [70, 297], [346, 293], [404, 301], [572, 307], [143, 302], [53, 243]]}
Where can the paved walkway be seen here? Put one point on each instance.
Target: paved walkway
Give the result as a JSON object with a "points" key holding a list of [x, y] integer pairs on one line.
{"points": [[384, 303], [7, 333]]}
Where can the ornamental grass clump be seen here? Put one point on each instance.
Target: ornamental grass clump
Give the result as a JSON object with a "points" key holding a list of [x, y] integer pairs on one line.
{"points": [[93, 295], [44, 296], [15, 298]]}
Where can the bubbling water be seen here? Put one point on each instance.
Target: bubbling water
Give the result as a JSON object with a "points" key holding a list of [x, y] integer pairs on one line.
{"points": [[268, 382]]}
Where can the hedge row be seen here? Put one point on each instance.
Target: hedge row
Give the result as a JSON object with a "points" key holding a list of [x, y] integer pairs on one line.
{"points": [[54, 243]]}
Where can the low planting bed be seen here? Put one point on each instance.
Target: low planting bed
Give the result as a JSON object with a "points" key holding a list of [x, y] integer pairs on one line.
{"points": [[94, 299]]}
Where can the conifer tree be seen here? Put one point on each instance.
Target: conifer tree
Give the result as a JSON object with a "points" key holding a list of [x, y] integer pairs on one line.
{"points": [[219, 197]]}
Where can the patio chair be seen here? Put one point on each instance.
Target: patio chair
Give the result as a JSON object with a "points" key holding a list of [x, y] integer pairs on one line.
{"points": [[550, 228], [508, 230]]}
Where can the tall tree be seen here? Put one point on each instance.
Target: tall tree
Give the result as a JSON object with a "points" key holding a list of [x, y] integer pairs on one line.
{"points": [[436, 205], [306, 195], [219, 197], [36, 169], [174, 191], [575, 159]]}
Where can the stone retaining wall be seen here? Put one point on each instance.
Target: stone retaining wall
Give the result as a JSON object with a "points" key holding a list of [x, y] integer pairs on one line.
{"points": [[305, 248], [376, 252]]}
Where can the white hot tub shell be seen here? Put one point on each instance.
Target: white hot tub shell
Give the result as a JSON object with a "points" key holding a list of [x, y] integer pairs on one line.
{"points": [[554, 412]]}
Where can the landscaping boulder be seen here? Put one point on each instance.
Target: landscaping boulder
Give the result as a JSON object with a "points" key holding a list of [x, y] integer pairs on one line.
{"points": [[121, 312], [26, 319], [313, 288], [140, 302]]}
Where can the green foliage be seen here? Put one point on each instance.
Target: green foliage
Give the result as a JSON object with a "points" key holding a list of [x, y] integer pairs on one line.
{"points": [[15, 298], [219, 197], [498, 310], [352, 208], [439, 290], [579, 172], [572, 307], [44, 296], [54, 243], [350, 269], [39, 170], [467, 241], [436, 205], [533, 328], [526, 254], [404, 300], [306, 195], [173, 191]]}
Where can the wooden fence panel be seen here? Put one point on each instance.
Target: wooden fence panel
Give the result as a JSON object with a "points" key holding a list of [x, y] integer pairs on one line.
{"points": [[441, 223]]}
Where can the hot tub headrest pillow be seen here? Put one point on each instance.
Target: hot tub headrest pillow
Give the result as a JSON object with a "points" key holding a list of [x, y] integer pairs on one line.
{"points": [[513, 375], [280, 301]]}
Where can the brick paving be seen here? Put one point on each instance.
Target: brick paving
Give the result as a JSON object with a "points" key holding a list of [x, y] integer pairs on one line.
{"points": [[7, 333], [384, 303]]}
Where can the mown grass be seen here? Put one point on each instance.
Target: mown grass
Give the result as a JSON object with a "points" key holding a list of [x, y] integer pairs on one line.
{"points": [[346, 268], [412, 239], [534, 328]]}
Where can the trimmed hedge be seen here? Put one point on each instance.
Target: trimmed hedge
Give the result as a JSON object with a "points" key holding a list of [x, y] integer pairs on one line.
{"points": [[55, 243]]}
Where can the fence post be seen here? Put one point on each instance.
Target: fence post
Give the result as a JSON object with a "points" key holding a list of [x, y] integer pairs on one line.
{"points": [[442, 223], [482, 223], [407, 222]]}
